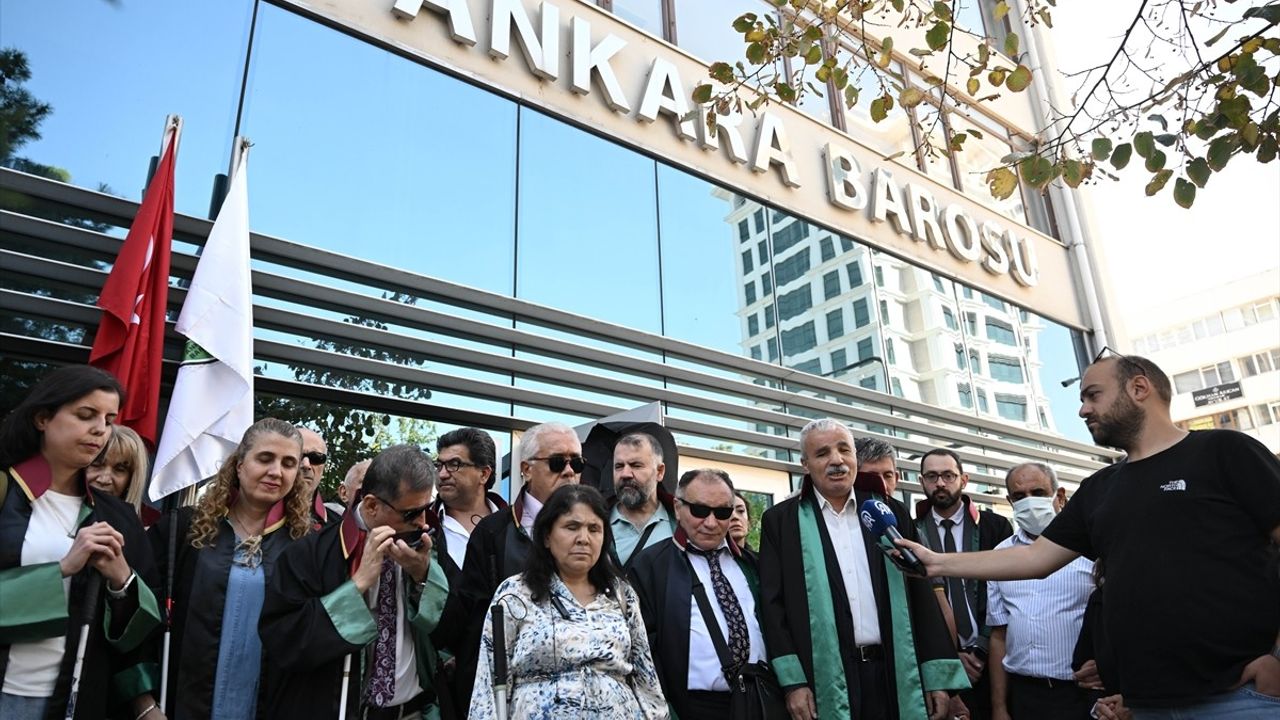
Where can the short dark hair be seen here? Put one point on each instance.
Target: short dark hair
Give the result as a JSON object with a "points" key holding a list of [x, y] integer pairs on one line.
{"points": [[870, 449], [397, 469], [19, 438], [480, 447], [691, 475], [639, 439], [603, 575], [1129, 367], [738, 494], [943, 451]]}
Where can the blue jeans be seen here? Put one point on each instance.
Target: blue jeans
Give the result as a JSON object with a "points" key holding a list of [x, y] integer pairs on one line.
{"points": [[1243, 704], [18, 707]]}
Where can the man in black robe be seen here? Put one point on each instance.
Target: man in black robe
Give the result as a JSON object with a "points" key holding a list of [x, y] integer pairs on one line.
{"points": [[890, 655], [361, 590], [550, 456]]}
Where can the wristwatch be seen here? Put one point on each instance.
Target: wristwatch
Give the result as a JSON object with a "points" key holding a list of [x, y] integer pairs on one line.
{"points": [[124, 589]]}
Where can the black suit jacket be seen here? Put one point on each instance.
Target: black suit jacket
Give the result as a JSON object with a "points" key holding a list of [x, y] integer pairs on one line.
{"points": [[663, 580]]}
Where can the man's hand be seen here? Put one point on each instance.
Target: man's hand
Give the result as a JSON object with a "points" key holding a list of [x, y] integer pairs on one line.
{"points": [[1264, 673], [801, 705], [375, 544], [931, 560], [415, 562], [973, 665], [1087, 676], [100, 545], [939, 703], [1112, 708], [958, 709]]}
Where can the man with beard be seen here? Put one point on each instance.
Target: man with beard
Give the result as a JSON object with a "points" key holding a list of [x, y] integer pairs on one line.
{"points": [[315, 454], [1186, 525], [948, 521], [643, 514], [848, 634]]}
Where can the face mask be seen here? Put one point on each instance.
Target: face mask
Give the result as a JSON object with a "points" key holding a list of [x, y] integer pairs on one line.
{"points": [[1033, 514]]}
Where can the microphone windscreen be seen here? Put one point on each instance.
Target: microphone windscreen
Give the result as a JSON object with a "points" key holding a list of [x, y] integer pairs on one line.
{"points": [[876, 517]]}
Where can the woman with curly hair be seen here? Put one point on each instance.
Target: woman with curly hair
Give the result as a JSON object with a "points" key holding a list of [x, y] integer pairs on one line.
{"points": [[227, 546], [121, 470], [74, 565]]}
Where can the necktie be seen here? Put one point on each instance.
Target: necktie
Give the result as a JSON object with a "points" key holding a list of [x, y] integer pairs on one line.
{"points": [[382, 676], [739, 641], [955, 587]]}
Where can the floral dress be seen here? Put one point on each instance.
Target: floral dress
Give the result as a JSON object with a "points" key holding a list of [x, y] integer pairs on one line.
{"points": [[567, 661]]}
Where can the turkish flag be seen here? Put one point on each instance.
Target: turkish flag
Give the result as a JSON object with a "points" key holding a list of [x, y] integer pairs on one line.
{"points": [[130, 339]]}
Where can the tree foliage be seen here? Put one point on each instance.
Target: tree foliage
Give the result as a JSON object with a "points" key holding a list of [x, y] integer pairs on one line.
{"points": [[1190, 85]]}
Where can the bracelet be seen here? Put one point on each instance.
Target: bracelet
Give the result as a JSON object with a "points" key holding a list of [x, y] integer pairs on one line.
{"points": [[119, 594], [152, 706]]}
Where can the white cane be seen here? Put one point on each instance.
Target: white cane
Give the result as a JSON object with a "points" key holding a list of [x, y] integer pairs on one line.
{"points": [[91, 593], [499, 663], [346, 683]]}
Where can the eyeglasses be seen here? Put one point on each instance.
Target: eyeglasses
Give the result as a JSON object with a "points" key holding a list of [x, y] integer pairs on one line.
{"points": [[702, 511], [946, 477], [453, 465], [556, 463], [408, 515], [315, 457]]}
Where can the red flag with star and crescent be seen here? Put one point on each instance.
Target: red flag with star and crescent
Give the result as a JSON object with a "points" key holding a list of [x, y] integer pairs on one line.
{"points": [[130, 339]]}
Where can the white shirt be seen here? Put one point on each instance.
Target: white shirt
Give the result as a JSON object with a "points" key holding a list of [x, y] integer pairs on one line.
{"points": [[1043, 616], [407, 686], [532, 506], [851, 554], [704, 665], [957, 534], [33, 666], [457, 536]]}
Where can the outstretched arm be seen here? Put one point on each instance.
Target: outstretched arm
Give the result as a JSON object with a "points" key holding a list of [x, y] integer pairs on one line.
{"points": [[1037, 560]]}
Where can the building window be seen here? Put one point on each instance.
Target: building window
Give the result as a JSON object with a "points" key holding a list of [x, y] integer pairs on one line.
{"points": [[889, 355], [1207, 376], [753, 325], [813, 366], [864, 349], [937, 283], [791, 268], [949, 318], [773, 349], [768, 316], [1001, 332], [831, 284], [861, 315], [975, 362], [966, 395], [871, 382], [784, 239], [854, 271], [744, 231], [960, 356], [759, 218], [896, 385], [755, 352], [971, 324], [846, 245], [967, 292], [794, 302], [1259, 363], [1011, 407], [992, 301], [879, 271], [763, 251], [838, 360], [982, 401], [750, 291], [799, 339], [747, 264], [884, 312], [778, 216], [766, 284], [827, 248], [1266, 413], [1005, 369], [835, 324]]}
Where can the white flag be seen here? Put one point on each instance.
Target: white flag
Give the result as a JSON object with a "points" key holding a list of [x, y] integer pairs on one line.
{"points": [[212, 402]]}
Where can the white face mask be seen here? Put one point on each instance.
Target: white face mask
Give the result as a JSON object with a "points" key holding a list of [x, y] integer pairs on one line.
{"points": [[1033, 514]]}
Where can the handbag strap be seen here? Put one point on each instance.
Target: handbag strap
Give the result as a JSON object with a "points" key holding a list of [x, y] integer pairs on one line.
{"points": [[709, 619], [644, 537]]}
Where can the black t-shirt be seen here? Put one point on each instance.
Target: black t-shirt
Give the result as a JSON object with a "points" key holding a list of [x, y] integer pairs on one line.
{"points": [[1192, 590]]}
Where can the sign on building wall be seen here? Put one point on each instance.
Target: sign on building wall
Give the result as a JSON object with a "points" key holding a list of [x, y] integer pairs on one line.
{"points": [[1216, 394]]}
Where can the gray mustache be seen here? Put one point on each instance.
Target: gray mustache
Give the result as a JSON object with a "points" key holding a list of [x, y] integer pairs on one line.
{"points": [[836, 469]]}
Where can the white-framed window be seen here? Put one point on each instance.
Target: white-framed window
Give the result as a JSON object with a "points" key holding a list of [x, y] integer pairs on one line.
{"points": [[1207, 376], [1259, 363]]}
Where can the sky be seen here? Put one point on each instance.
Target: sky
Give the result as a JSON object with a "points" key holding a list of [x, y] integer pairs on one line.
{"points": [[1156, 251]]}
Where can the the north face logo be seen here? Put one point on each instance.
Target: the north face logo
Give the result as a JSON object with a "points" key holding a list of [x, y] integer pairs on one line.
{"points": [[1174, 486]]}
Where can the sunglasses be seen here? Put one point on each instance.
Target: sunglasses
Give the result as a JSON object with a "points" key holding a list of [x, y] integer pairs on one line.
{"points": [[408, 515], [556, 463], [1133, 365], [702, 511], [453, 465], [315, 458]]}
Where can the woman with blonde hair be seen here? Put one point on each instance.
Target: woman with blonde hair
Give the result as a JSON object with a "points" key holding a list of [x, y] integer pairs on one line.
{"points": [[226, 548], [121, 470]]}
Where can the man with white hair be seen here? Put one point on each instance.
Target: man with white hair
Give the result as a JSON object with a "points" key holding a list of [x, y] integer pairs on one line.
{"points": [[849, 635], [550, 456]]}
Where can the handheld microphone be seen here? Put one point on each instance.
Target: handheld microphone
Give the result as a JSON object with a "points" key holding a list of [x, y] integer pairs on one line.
{"points": [[880, 521]]}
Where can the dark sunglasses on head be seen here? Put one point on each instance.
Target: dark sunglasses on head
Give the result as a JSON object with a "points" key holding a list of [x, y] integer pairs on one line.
{"points": [[556, 463], [1134, 366], [315, 458], [408, 515], [702, 511]]}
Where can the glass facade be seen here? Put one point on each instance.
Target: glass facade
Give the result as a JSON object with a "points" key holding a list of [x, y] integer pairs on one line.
{"points": [[364, 153]]}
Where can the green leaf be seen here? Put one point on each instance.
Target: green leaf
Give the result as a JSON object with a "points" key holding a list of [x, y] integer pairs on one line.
{"points": [[1001, 9], [898, 5], [1218, 35], [996, 77], [785, 92], [1220, 151], [721, 71], [1184, 193], [1019, 79], [1036, 170], [1267, 149], [745, 22], [755, 53], [1198, 170], [1002, 183], [1120, 156], [1156, 161], [1158, 182], [972, 86], [1101, 148], [1166, 139], [702, 93], [938, 35], [942, 10], [1164, 124], [814, 55], [1270, 13], [1011, 45], [957, 141], [823, 74], [1144, 143], [851, 94], [911, 97], [878, 111], [1073, 172]]}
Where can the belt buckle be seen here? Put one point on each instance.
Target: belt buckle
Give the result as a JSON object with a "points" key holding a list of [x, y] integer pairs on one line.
{"points": [[862, 652]]}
